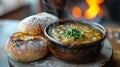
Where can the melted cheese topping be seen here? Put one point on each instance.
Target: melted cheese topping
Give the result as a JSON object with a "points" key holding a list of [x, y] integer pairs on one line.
{"points": [[23, 36]]}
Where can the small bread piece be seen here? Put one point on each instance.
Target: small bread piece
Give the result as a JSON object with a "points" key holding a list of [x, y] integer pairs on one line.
{"points": [[25, 48], [30, 25], [36, 23], [46, 18]]}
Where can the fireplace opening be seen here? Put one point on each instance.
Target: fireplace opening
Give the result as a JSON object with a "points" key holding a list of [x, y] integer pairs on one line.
{"points": [[90, 10]]}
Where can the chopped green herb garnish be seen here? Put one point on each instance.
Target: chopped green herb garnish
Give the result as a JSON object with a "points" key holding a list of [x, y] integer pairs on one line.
{"points": [[72, 33]]}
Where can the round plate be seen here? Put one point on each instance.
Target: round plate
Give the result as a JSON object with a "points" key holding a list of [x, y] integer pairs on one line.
{"points": [[52, 61]]}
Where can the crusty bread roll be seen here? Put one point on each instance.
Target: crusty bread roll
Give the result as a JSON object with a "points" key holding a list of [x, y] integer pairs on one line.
{"points": [[35, 24], [30, 25], [46, 18], [25, 48], [28, 44]]}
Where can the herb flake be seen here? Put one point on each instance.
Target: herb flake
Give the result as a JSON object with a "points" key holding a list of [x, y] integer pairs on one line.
{"points": [[72, 33]]}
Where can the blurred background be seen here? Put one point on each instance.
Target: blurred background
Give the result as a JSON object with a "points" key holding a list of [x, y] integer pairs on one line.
{"points": [[18, 9], [104, 9]]}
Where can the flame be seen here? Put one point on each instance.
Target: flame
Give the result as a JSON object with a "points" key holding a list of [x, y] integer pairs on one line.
{"points": [[100, 1], [76, 12], [94, 8]]}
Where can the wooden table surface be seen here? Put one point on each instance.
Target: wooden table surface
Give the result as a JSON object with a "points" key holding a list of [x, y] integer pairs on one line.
{"points": [[8, 27]]}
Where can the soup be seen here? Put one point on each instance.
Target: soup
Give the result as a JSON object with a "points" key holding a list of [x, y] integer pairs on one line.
{"points": [[76, 33]]}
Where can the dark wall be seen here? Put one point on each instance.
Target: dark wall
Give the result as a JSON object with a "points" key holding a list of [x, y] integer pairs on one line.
{"points": [[113, 7]]}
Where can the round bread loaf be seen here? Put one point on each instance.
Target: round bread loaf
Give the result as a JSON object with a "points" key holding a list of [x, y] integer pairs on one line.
{"points": [[25, 48], [35, 24], [30, 25], [46, 18]]}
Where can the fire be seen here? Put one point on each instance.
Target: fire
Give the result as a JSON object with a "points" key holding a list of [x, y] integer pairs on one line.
{"points": [[100, 1], [76, 12], [94, 8]]}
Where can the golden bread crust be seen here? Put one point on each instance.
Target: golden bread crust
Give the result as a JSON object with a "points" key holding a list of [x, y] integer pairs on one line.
{"points": [[26, 50], [30, 25]]}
